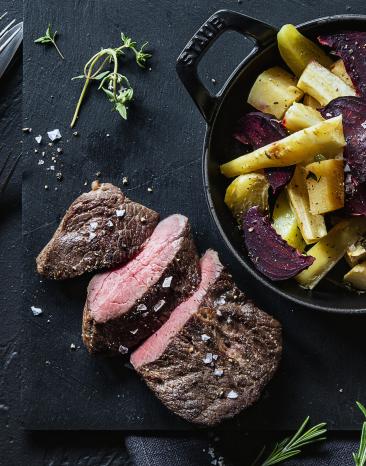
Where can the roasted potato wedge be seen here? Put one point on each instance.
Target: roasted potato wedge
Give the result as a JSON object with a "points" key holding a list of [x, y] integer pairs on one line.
{"points": [[312, 226], [274, 91], [356, 253], [325, 183], [339, 70], [247, 191], [285, 223], [330, 249], [322, 84], [324, 138], [356, 277], [299, 116]]}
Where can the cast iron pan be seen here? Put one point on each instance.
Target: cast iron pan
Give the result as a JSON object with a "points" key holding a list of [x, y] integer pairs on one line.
{"points": [[221, 112]]}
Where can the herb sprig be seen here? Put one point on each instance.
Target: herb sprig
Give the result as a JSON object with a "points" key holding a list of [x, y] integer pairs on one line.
{"points": [[290, 447], [49, 38], [114, 84], [360, 457]]}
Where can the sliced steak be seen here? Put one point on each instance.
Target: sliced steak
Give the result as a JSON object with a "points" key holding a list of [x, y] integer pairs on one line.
{"points": [[128, 304], [216, 352], [101, 229]]}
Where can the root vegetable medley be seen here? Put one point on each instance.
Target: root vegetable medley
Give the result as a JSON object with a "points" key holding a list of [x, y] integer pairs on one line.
{"points": [[299, 192]]}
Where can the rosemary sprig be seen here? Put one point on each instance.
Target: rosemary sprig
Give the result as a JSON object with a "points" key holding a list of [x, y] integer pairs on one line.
{"points": [[360, 457], [49, 38], [114, 84], [290, 447]]}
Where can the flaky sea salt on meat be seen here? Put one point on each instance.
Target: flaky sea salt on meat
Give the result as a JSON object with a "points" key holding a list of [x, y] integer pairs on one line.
{"points": [[122, 349], [120, 212], [159, 305], [142, 307], [205, 337], [232, 395], [167, 282], [208, 358]]}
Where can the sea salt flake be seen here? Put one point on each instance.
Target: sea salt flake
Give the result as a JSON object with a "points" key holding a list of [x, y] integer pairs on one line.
{"points": [[92, 236], [134, 331], [141, 307], [221, 300], [122, 349], [208, 358], [110, 223], [72, 346], [159, 305], [120, 212], [215, 357], [38, 139], [54, 134], [36, 310], [41, 162], [229, 320], [167, 282], [232, 395], [205, 337], [363, 124], [93, 226], [124, 180], [218, 372]]}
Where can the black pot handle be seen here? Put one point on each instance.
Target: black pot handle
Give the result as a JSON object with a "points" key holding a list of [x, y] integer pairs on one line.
{"points": [[188, 60]]}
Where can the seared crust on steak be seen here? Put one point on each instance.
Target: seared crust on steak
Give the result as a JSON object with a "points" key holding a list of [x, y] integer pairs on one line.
{"points": [[244, 343], [101, 229]]}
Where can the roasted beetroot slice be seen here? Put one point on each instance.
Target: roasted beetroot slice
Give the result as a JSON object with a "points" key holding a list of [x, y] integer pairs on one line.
{"points": [[353, 111], [270, 254], [257, 129], [350, 46], [356, 201]]}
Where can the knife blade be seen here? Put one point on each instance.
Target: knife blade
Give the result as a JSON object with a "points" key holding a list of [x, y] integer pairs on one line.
{"points": [[9, 44]]}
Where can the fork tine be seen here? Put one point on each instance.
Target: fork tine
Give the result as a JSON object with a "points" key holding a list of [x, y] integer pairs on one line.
{"points": [[10, 174], [7, 27], [5, 164]]}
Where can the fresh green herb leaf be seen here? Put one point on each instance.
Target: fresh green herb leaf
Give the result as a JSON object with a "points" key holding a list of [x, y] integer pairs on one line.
{"points": [[49, 38], [290, 447], [114, 84], [319, 158], [360, 457]]}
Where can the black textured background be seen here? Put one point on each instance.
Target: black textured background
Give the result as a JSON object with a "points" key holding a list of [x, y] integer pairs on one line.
{"points": [[339, 336]]}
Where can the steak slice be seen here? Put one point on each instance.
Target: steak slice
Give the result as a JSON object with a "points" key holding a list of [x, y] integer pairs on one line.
{"points": [[215, 354], [101, 229], [128, 304]]}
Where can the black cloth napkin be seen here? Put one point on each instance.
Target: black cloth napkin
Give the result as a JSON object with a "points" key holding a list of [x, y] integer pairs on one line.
{"points": [[202, 450]]}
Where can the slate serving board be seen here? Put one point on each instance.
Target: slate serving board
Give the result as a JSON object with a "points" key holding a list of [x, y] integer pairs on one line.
{"points": [[322, 372]]}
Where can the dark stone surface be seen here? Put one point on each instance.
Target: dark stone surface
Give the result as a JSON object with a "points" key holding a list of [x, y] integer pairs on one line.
{"points": [[324, 344]]}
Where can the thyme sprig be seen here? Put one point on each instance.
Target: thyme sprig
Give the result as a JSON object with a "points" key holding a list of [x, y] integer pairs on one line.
{"points": [[360, 457], [49, 38], [114, 84], [290, 447]]}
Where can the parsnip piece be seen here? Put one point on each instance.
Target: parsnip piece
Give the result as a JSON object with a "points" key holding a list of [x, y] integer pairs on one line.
{"points": [[330, 249], [356, 277], [324, 138], [312, 227], [339, 70], [247, 191], [299, 116], [274, 91], [297, 50], [285, 223], [322, 84], [311, 102], [325, 183], [356, 253]]}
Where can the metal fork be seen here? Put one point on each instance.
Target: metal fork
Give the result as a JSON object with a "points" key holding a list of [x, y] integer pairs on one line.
{"points": [[11, 37]]}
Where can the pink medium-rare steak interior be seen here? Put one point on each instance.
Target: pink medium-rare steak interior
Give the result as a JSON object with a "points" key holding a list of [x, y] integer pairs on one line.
{"points": [[154, 346], [111, 294]]}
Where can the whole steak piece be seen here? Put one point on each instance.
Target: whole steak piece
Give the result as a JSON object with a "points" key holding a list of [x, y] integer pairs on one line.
{"points": [[128, 304], [215, 354], [101, 229]]}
